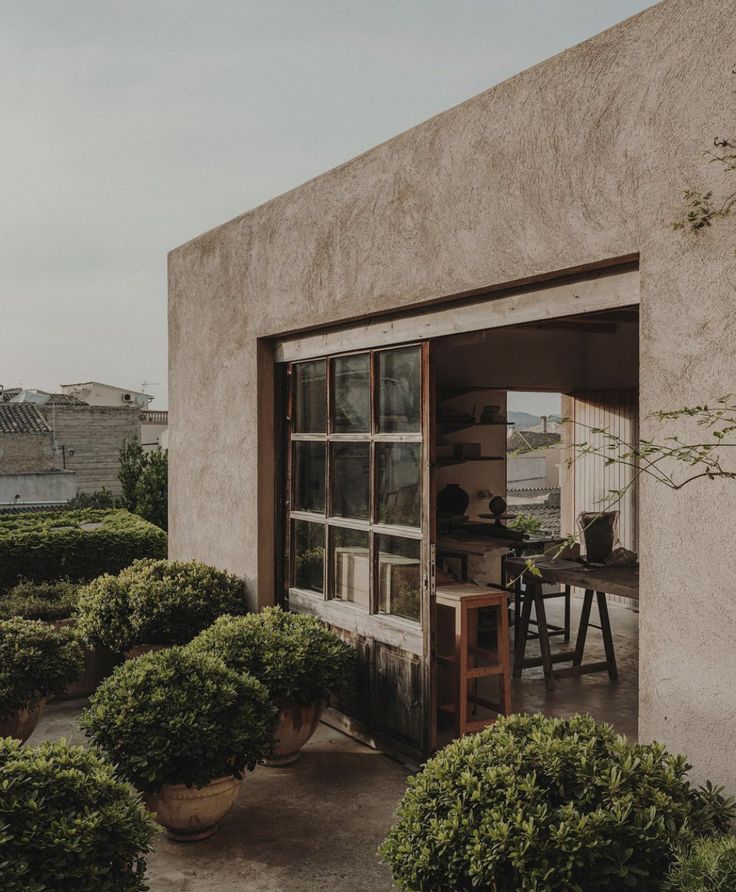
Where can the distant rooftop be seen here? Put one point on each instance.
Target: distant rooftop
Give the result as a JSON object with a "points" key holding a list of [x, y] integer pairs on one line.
{"points": [[109, 386], [22, 418], [39, 397], [526, 441]]}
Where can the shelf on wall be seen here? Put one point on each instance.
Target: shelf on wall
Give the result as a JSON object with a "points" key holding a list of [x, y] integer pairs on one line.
{"points": [[452, 427], [450, 391], [451, 460]]}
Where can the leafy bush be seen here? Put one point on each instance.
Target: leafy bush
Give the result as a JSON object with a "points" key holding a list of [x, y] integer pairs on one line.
{"points": [[152, 489], [49, 601], [67, 823], [144, 480], [295, 656], [46, 546], [533, 803], [179, 717], [527, 523], [36, 661], [710, 864], [157, 602], [100, 498]]}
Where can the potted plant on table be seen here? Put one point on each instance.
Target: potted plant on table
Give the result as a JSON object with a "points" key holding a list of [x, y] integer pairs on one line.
{"points": [[297, 658], [183, 729], [156, 603], [55, 602], [37, 661], [68, 822]]}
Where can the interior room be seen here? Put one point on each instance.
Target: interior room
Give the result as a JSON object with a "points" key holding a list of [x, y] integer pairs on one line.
{"points": [[506, 484]]}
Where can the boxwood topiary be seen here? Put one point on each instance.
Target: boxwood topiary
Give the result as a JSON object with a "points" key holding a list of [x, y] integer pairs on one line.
{"points": [[532, 803], [179, 717], [156, 602], [36, 661], [49, 601], [709, 865], [78, 545], [296, 657], [67, 823]]}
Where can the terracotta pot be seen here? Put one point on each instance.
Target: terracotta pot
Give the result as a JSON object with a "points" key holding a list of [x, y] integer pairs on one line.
{"points": [[21, 724], [188, 814], [141, 649], [98, 664], [295, 725]]}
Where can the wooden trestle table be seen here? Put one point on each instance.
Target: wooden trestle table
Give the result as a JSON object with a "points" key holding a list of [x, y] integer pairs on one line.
{"points": [[621, 581]]}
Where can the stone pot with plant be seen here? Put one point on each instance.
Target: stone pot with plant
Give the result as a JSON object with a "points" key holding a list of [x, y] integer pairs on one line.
{"points": [[37, 661], [297, 658], [183, 729], [156, 603], [69, 822], [55, 602]]}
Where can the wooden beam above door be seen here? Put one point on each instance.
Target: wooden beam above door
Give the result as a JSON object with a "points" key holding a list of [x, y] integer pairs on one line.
{"points": [[612, 291]]}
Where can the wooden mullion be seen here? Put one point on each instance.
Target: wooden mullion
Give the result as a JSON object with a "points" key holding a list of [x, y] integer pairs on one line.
{"points": [[307, 438], [384, 529], [288, 543], [349, 523]]}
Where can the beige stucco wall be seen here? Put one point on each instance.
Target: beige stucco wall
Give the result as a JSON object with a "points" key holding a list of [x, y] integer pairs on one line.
{"points": [[573, 162]]}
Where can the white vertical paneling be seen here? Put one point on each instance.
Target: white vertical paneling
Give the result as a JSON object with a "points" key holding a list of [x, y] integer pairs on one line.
{"points": [[590, 478]]}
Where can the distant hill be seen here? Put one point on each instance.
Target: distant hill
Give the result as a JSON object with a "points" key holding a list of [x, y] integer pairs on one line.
{"points": [[524, 421]]}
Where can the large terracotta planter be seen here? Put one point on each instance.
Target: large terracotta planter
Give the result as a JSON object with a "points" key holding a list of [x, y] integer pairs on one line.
{"points": [[98, 664], [188, 814], [141, 649], [295, 725], [21, 724]]}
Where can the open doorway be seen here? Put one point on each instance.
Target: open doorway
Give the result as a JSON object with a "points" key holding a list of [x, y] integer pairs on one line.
{"points": [[512, 406], [396, 441]]}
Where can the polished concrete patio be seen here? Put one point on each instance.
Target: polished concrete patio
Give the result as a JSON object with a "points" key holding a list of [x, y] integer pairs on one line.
{"points": [[317, 825]]}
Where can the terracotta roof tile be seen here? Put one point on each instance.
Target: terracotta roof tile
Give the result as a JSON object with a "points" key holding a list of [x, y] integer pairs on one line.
{"points": [[22, 418]]}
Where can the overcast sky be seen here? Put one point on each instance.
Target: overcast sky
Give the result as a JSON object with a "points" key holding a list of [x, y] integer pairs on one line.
{"points": [[127, 128]]}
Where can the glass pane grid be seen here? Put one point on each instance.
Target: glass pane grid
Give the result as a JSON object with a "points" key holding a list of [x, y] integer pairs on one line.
{"points": [[356, 481]]}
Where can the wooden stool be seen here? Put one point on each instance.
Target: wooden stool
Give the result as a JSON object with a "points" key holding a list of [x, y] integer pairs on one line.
{"points": [[458, 649]]}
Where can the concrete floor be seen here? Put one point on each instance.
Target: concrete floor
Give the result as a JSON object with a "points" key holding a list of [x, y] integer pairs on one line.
{"points": [[317, 825], [313, 826], [614, 702]]}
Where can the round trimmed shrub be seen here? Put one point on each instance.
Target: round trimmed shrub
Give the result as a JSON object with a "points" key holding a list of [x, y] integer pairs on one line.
{"points": [[707, 866], [296, 657], [48, 601], [179, 717], [36, 661], [532, 803], [157, 602], [67, 823]]}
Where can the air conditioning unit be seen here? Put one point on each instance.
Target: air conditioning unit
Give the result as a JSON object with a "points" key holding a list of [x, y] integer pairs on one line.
{"points": [[128, 398]]}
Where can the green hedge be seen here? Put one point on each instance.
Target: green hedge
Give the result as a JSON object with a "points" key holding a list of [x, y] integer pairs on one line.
{"points": [[51, 545], [48, 601]]}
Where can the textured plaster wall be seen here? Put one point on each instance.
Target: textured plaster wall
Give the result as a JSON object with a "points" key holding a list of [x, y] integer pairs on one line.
{"points": [[578, 160]]}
